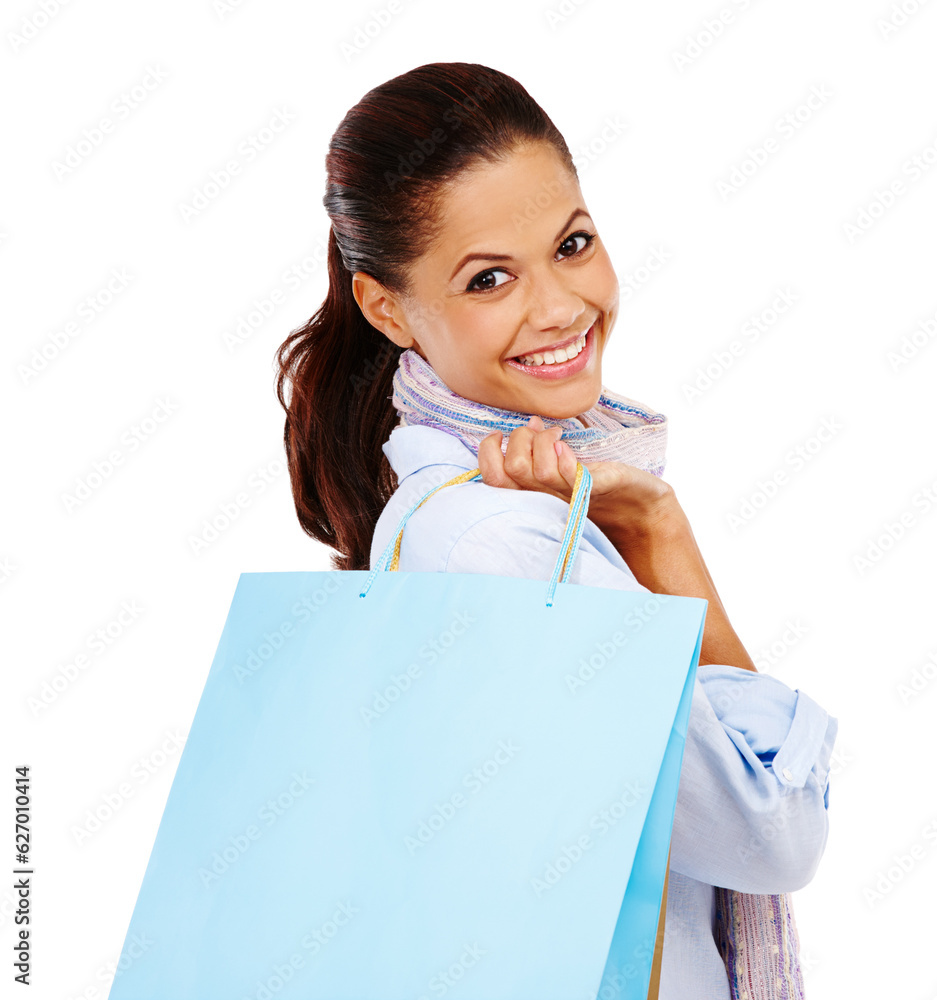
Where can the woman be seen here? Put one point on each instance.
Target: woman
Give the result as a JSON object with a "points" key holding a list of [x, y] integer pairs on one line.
{"points": [[470, 301]]}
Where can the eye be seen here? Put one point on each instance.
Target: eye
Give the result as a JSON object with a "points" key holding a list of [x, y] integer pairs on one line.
{"points": [[587, 238], [481, 282]]}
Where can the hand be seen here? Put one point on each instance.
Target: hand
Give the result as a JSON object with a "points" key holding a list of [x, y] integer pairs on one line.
{"points": [[623, 498], [637, 511]]}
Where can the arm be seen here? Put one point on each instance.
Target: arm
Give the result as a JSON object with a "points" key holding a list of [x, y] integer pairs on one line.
{"points": [[663, 555], [637, 512]]}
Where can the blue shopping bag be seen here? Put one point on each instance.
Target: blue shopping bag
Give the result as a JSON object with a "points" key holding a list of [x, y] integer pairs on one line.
{"points": [[398, 785]]}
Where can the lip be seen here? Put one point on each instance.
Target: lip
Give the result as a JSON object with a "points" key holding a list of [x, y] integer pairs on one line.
{"points": [[562, 368]]}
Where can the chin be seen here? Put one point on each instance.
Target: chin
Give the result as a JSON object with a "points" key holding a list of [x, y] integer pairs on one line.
{"points": [[582, 402]]}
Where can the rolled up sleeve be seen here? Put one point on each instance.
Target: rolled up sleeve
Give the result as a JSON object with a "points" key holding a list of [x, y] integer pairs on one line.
{"points": [[751, 810]]}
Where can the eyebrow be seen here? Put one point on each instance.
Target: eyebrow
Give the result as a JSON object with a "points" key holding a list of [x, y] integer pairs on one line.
{"points": [[504, 256]]}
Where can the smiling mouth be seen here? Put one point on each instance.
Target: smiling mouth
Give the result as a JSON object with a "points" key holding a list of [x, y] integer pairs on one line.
{"points": [[556, 356]]}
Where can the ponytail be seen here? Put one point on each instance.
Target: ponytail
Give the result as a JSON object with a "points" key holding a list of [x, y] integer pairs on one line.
{"points": [[338, 415]]}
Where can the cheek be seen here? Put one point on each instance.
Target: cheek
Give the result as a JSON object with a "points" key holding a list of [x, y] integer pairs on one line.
{"points": [[485, 332], [605, 282]]}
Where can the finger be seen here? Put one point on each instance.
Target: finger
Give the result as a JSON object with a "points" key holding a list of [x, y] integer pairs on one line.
{"points": [[566, 462], [545, 465], [518, 460], [491, 462]]}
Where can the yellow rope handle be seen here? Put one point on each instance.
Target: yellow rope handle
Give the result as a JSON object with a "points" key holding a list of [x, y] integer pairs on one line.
{"points": [[463, 477]]}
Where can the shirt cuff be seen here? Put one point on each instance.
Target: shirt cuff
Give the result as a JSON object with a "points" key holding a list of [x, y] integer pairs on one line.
{"points": [[789, 732], [808, 747]]}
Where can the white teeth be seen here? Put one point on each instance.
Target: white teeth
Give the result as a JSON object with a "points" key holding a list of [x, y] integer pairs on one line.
{"points": [[558, 356]]}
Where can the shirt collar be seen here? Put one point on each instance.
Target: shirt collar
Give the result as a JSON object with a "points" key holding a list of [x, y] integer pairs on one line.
{"points": [[416, 446]]}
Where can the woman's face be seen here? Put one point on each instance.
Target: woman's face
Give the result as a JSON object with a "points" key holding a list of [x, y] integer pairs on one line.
{"points": [[518, 270]]}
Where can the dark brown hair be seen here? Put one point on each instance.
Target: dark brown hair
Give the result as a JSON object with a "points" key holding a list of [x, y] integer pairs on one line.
{"points": [[387, 165]]}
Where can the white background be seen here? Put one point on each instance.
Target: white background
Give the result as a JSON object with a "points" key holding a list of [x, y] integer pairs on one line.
{"points": [[226, 70]]}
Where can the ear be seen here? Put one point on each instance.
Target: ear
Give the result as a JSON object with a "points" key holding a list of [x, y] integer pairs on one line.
{"points": [[381, 308]]}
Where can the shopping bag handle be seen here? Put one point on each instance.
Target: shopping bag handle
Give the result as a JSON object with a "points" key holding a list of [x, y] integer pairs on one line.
{"points": [[569, 546]]}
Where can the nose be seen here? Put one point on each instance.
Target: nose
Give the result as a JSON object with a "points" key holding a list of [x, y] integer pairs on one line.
{"points": [[553, 303]]}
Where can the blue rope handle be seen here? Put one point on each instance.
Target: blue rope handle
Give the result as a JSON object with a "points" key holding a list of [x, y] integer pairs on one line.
{"points": [[569, 547], [575, 522]]}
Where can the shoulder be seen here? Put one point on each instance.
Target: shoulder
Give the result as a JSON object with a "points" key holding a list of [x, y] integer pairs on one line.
{"points": [[433, 530], [476, 528]]}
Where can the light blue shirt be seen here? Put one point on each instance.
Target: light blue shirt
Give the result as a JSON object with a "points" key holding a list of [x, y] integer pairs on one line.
{"points": [[751, 810]]}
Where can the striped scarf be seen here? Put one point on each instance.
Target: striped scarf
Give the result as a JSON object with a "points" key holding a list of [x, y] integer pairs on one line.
{"points": [[755, 934], [619, 429]]}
